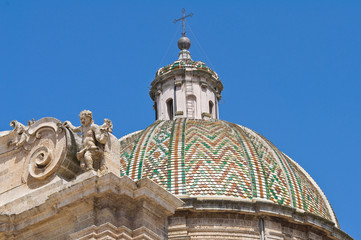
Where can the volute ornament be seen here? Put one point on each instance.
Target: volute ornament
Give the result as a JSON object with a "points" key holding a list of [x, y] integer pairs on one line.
{"points": [[46, 147]]}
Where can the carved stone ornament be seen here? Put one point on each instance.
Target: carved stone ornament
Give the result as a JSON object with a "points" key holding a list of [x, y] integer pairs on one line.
{"points": [[178, 83], [179, 113], [22, 135], [219, 96], [46, 146], [206, 115], [204, 85], [94, 138]]}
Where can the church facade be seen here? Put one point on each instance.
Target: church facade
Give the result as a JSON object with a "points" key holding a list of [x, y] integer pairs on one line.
{"points": [[189, 175]]}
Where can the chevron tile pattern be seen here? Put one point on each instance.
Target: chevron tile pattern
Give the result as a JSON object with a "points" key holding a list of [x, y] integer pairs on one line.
{"points": [[216, 158], [156, 164], [126, 149], [215, 163], [275, 182], [313, 201]]}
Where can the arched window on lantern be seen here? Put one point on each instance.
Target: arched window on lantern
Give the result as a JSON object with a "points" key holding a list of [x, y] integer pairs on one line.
{"points": [[156, 110], [170, 108], [211, 106]]}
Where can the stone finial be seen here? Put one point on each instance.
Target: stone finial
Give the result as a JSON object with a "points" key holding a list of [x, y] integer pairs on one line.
{"points": [[94, 138], [22, 135]]}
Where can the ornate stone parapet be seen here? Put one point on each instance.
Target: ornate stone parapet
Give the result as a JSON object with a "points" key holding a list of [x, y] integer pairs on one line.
{"points": [[45, 154], [34, 154]]}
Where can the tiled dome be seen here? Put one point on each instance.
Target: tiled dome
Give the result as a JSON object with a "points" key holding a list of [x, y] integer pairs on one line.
{"points": [[220, 160]]}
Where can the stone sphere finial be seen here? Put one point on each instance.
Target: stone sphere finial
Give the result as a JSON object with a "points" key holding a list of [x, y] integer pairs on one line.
{"points": [[184, 43]]}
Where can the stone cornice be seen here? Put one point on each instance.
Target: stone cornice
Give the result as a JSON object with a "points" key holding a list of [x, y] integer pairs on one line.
{"points": [[108, 229], [102, 192], [262, 208], [215, 81]]}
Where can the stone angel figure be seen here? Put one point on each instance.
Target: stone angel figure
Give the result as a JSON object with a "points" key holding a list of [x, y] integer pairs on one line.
{"points": [[94, 138]]}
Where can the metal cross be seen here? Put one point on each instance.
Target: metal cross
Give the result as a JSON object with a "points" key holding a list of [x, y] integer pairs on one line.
{"points": [[183, 20]]}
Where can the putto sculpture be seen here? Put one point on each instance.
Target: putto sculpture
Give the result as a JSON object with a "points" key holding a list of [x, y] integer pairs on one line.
{"points": [[94, 138]]}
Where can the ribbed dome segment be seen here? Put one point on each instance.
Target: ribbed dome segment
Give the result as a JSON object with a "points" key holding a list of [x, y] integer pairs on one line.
{"points": [[216, 158]]}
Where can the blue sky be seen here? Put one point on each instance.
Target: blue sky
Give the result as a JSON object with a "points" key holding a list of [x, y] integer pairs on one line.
{"points": [[291, 71]]}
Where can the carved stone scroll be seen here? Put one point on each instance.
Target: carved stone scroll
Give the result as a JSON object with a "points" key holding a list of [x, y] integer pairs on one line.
{"points": [[53, 149], [47, 147]]}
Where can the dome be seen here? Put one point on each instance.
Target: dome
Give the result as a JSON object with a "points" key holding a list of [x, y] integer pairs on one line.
{"points": [[216, 159]]}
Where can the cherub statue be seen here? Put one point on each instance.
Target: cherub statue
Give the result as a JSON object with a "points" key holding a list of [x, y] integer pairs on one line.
{"points": [[94, 138]]}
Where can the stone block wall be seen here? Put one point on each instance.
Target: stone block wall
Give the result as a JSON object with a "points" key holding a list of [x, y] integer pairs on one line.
{"points": [[94, 207]]}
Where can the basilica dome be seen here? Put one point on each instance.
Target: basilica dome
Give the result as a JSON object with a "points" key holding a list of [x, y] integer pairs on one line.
{"points": [[189, 175], [234, 183], [216, 159]]}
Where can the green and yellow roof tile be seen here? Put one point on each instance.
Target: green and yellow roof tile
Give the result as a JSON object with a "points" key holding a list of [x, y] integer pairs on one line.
{"points": [[216, 158]]}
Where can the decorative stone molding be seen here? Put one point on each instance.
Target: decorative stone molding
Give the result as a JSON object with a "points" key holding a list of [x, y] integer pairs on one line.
{"points": [[45, 152], [204, 85], [178, 83], [206, 115], [45, 147], [179, 113], [108, 230], [236, 219], [22, 135], [94, 206], [218, 95]]}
